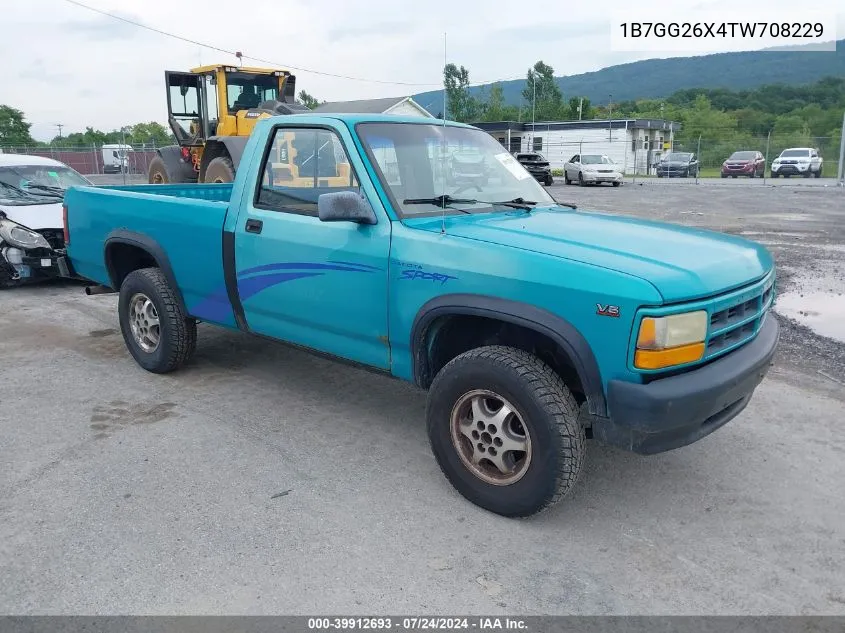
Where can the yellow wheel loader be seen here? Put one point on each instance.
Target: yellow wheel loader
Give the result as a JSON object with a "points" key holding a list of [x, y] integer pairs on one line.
{"points": [[212, 111]]}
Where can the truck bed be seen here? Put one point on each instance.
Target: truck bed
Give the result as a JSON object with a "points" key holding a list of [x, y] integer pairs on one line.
{"points": [[170, 216]]}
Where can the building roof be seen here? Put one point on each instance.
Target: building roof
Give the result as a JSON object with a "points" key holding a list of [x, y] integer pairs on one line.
{"points": [[368, 106], [645, 124]]}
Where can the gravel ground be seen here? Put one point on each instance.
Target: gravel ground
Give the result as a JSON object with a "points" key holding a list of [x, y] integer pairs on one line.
{"points": [[262, 480]]}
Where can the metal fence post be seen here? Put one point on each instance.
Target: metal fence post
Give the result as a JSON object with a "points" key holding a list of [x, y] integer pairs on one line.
{"points": [[698, 154], [840, 176], [768, 142]]}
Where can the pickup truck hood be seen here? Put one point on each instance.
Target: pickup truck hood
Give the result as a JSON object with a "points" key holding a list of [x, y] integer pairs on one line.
{"points": [[35, 216], [682, 263]]}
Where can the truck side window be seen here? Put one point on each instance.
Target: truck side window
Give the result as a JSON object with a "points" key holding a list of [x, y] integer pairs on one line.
{"points": [[302, 164]]}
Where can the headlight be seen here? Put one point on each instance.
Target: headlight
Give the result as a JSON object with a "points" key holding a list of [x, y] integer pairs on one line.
{"points": [[16, 235], [671, 340]]}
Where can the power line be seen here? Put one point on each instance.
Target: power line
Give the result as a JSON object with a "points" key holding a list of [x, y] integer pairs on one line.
{"points": [[235, 53]]}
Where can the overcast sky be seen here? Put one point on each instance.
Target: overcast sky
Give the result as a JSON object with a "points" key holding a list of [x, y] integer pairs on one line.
{"points": [[65, 64]]}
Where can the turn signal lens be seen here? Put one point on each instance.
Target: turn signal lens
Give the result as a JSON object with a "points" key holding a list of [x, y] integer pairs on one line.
{"points": [[658, 359]]}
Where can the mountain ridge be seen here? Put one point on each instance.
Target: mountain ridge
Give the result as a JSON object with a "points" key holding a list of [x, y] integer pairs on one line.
{"points": [[657, 78]]}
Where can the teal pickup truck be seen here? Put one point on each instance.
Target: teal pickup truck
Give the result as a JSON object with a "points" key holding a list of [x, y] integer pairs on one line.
{"points": [[533, 325]]}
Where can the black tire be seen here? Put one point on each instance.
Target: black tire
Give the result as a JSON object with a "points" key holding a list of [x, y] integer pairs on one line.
{"points": [[753, 174], [724, 175], [808, 173], [178, 333], [580, 179], [158, 172], [775, 174], [616, 183], [547, 410], [819, 172], [549, 181], [220, 170]]}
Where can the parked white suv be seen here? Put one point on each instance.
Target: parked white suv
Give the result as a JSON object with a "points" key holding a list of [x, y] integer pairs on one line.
{"points": [[801, 161]]}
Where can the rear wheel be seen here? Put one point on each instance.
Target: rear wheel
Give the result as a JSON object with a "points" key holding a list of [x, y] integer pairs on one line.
{"points": [[158, 172], [505, 430], [156, 331], [220, 170], [819, 172]]}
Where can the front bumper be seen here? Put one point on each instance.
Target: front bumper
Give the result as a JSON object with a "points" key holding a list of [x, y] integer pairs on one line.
{"points": [[672, 412], [33, 264], [594, 176], [790, 169]]}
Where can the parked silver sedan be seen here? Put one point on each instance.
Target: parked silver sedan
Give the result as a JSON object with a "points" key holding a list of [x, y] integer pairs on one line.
{"points": [[592, 169]]}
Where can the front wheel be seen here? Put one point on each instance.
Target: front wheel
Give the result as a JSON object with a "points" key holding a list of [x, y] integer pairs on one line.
{"points": [[155, 329], [616, 183], [566, 179], [819, 172], [549, 181], [505, 430], [580, 179]]}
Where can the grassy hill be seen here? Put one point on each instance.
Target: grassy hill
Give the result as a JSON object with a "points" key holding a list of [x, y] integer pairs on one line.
{"points": [[655, 78]]}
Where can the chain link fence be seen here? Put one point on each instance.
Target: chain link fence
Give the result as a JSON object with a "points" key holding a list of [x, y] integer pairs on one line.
{"points": [[95, 160], [638, 153]]}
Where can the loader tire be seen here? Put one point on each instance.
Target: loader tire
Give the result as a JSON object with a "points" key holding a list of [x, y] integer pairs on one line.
{"points": [[158, 172], [220, 170]]}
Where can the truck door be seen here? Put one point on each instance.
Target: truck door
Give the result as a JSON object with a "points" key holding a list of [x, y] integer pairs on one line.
{"points": [[319, 284]]}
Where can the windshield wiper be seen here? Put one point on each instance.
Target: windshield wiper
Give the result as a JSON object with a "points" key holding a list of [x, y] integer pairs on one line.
{"points": [[443, 201], [58, 191], [13, 188]]}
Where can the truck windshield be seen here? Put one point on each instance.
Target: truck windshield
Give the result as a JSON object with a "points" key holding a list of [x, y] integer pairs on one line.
{"points": [[418, 161]]}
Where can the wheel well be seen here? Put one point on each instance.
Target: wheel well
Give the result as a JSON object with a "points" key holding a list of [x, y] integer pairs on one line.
{"points": [[212, 150], [122, 259], [450, 336]]}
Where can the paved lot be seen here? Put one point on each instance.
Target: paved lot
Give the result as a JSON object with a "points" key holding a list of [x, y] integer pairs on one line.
{"points": [[263, 480]]}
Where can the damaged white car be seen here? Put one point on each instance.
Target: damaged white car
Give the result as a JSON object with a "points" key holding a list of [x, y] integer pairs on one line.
{"points": [[32, 189]]}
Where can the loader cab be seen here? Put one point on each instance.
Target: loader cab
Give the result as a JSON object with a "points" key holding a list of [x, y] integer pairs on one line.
{"points": [[225, 100]]}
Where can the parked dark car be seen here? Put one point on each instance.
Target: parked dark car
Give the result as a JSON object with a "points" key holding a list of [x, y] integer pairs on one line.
{"points": [[678, 164], [744, 163], [537, 166]]}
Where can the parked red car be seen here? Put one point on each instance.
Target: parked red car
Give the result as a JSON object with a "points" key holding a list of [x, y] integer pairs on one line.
{"points": [[744, 163]]}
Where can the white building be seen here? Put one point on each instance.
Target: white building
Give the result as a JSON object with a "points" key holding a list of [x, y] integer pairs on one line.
{"points": [[402, 106], [635, 144]]}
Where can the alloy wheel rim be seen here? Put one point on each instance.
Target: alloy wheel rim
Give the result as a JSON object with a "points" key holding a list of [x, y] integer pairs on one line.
{"points": [[144, 322], [490, 437]]}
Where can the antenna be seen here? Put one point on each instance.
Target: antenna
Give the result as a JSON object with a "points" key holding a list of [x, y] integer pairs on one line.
{"points": [[443, 143]]}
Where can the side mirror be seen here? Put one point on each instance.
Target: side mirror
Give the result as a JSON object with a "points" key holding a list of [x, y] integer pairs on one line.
{"points": [[345, 206]]}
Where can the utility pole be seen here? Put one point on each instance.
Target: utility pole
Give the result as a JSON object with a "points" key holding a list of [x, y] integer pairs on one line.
{"points": [[842, 155], [60, 126], [533, 108], [610, 117]]}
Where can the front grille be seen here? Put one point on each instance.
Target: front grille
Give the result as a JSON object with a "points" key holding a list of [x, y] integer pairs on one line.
{"points": [[737, 317]]}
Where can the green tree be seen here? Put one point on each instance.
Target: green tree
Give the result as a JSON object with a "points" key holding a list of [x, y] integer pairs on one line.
{"points": [[147, 133], [308, 100], [496, 108], [542, 93], [460, 105], [572, 109], [14, 130]]}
